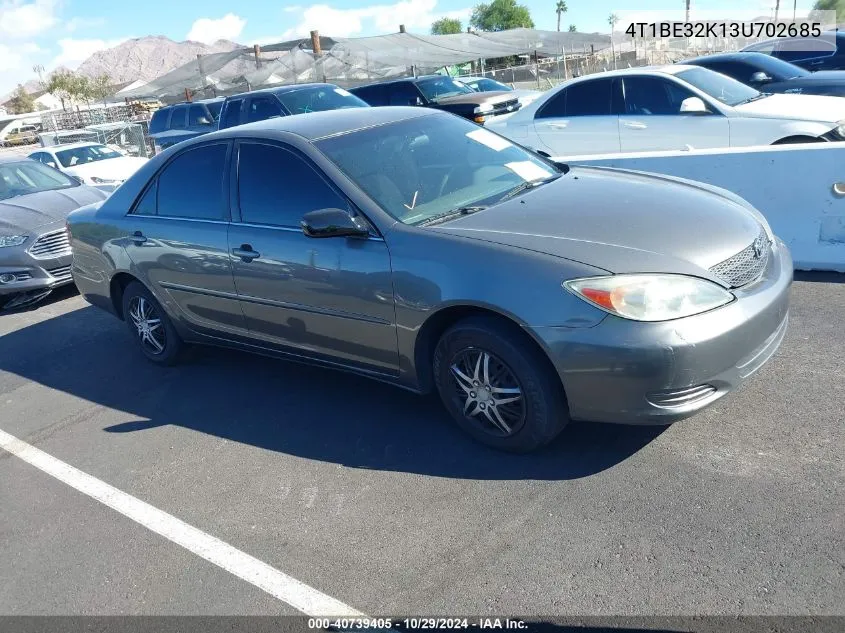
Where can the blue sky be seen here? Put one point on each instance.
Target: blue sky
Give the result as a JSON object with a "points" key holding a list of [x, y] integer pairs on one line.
{"points": [[65, 32]]}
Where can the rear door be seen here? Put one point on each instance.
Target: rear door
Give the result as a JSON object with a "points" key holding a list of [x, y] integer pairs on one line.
{"points": [[331, 297], [231, 114], [653, 119], [581, 119], [177, 238]]}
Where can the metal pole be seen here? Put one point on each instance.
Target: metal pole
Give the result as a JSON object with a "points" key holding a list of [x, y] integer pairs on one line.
{"points": [[257, 50], [537, 68]]}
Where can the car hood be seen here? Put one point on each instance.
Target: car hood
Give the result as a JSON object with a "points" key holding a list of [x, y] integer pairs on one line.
{"points": [[28, 213], [619, 221], [796, 106], [494, 96], [109, 169]]}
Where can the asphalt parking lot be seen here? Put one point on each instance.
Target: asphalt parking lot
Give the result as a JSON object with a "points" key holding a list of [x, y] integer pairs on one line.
{"points": [[369, 494]]}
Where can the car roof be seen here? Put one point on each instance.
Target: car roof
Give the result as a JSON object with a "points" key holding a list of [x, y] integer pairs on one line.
{"points": [[280, 90], [400, 80], [316, 125], [670, 69], [189, 103], [748, 55], [63, 146], [13, 158]]}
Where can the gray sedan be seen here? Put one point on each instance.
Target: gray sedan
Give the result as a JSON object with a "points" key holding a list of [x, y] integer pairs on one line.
{"points": [[415, 247], [34, 247]]}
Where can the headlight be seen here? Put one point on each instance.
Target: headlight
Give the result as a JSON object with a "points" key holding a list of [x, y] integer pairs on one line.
{"points": [[650, 297], [104, 181], [12, 240]]}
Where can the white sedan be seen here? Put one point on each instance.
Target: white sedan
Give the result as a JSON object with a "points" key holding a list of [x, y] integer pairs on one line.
{"points": [[667, 108], [485, 84], [91, 163]]}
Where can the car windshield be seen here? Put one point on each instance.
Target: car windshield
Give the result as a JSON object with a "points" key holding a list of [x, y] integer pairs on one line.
{"points": [[214, 107], [724, 89], [21, 178], [422, 168], [81, 155], [486, 85], [439, 87], [775, 68], [319, 99]]}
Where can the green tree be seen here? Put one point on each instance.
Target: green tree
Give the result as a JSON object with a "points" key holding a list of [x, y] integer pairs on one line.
{"points": [[80, 88], [101, 87], [572, 28], [60, 84], [832, 5], [445, 26], [560, 9], [501, 15], [21, 101]]}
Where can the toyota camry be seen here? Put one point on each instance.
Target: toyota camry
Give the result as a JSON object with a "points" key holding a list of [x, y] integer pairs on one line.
{"points": [[415, 247]]}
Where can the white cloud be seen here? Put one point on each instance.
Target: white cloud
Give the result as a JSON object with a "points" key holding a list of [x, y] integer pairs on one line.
{"points": [[75, 51], [416, 15], [208, 31], [74, 24], [20, 19]]}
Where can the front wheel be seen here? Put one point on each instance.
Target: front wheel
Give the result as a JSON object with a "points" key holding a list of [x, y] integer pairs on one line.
{"points": [[498, 387], [150, 326]]}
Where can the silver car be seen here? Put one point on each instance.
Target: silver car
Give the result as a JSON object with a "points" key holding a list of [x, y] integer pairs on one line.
{"points": [[414, 247], [34, 247]]}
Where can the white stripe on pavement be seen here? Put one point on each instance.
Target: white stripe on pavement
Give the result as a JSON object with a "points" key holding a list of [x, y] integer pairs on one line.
{"points": [[278, 584]]}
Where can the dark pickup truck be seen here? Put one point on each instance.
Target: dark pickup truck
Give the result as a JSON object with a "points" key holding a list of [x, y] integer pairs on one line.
{"points": [[443, 93]]}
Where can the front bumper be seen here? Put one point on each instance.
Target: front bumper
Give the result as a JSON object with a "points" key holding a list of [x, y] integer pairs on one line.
{"points": [[631, 372], [34, 274]]}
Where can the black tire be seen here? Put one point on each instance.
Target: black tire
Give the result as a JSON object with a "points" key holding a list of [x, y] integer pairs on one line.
{"points": [[138, 300], [513, 360], [795, 140]]}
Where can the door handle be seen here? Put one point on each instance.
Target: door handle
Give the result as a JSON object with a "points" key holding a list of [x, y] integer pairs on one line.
{"points": [[137, 238], [635, 125], [246, 253], [559, 126]]}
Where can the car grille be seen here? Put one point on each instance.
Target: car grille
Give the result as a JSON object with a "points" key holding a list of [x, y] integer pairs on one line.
{"points": [[506, 106], [51, 245], [747, 265], [62, 273]]}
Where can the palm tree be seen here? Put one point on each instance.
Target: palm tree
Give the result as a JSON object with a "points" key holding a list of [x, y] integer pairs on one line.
{"points": [[612, 19], [687, 16], [560, 8], [777, 8]]}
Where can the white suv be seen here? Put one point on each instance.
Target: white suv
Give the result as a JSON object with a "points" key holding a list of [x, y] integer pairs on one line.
{"points": [[667, 108]]}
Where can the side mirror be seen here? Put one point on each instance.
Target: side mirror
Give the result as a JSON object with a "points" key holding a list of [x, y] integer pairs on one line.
{"points": [[760, 78], [693, 105], [333, 223]]}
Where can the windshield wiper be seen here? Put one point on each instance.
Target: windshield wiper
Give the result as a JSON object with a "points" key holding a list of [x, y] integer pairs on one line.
{"points": [[750, 99], [529, 184], [452, 213]]}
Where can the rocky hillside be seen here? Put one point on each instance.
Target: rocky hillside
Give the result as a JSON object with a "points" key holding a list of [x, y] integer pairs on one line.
{"points": [[148, 57]]}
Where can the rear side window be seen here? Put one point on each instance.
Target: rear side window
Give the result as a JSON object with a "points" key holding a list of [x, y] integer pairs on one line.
{"points": [[159, 121], [191, 186], [177, 119], [278, 187], [231, 115], [147, 205], [589, 98], [263, 108]]}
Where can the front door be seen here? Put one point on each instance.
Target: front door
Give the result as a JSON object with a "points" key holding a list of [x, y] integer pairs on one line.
{"points": [[324, 297], [177, 240], [653, 119]]}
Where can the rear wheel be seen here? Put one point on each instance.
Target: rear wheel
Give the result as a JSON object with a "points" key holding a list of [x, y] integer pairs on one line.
{"points": [[498, 387], [150, 326]]}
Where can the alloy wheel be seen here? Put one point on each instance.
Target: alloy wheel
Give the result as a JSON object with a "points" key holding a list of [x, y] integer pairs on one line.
{"points": [[147, 322], [491, 395]]}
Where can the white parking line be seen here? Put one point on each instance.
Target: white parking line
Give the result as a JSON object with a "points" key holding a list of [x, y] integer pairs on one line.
{"points": [[278, 584]]}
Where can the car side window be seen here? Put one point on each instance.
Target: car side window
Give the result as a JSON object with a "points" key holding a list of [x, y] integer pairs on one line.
{"points": [[403, 94], [232, 115], [191, 185], [177, 118], [195, 113], [374, 95], [646, 96], [277, 186], [263, 108], [798, 49], [148, 204], [585, 98]]}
